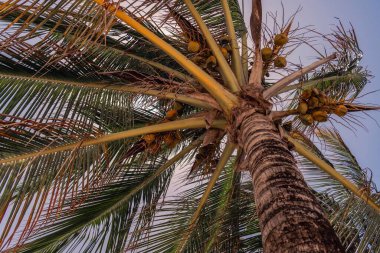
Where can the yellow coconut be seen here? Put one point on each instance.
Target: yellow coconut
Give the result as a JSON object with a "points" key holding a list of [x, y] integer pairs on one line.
{"points": [[211, 61], [313, 102], [341, 110], [302, 108], [193, 46], [281, 39], [224, 52], [306, 119], [149, 138], [280, 62], [171, 114], [320, 116], [306, 94], [266, 53]]}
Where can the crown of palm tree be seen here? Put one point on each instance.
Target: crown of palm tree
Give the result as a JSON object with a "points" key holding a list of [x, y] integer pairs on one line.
{"points": [[115, 136]]}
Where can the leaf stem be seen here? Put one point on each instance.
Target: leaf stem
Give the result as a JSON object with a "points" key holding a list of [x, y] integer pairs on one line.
{"points": [[163, 127]]}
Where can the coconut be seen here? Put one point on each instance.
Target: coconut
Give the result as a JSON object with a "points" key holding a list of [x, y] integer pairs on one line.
{"points": [[302, 108], [266, 53], [171, 114], [224, 52], [322, 100], [320, 116], [280, 39], [306, 119], [313, 102], [193, 46], [149, 138], [306, 94], [280, 62], [211, 61], [341, 110]]}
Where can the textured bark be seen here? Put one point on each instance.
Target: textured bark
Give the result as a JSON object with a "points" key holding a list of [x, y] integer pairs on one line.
{"points": [[291, 219]]}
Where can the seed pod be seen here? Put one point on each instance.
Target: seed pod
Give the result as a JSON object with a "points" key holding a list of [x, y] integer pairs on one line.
{"points": [[280, 62], [171, 114], [266, 53], [341, 110], [302, 108], [193, 46], [320, 116], [281, 39], [306, 94], [306, 119], [313, 102], [149, 138]]}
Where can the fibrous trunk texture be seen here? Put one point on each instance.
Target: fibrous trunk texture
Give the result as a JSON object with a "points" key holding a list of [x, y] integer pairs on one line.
{"points": [[291, 218]]}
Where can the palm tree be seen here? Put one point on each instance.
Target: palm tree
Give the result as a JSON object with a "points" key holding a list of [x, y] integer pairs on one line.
{"points": [[107, 105]]}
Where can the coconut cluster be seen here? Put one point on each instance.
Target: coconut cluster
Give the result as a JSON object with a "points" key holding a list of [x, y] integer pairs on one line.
{"points": [[269, 54], [315, 106], [204, 57], [154, 142]]}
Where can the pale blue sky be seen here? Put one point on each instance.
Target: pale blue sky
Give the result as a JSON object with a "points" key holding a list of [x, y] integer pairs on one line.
{"points": [[364, 16]]}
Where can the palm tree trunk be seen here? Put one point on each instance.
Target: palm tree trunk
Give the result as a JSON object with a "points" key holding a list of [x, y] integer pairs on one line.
{"points": [[291, 218]]}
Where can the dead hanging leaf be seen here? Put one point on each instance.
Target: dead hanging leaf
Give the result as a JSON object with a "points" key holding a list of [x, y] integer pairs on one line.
{"points": [[212, 136], [210, 117], [256, 22]]}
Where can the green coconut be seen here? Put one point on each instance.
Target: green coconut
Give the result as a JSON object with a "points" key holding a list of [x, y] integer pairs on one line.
{"points": [[280, 62], [320, 116], [313, 102], [306, 119], [266, 53], [280, 39]]}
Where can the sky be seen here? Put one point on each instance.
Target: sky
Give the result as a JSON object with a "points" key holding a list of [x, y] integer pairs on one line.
{"points": [[364, 16]]}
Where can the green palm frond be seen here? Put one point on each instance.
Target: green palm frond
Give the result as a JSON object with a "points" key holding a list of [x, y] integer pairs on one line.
{"points": [[225, 224], [354, 221], [81, 91], [90, 220]]}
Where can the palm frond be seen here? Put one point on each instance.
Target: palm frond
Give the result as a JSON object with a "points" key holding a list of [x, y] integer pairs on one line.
{"points": [[227, 221], [354, 221]]}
